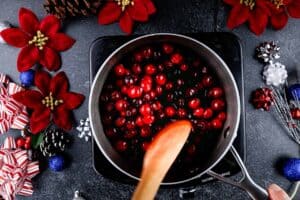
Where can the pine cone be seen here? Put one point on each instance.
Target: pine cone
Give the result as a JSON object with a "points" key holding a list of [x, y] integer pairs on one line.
{"points": [[54, 142], [71, 8]]}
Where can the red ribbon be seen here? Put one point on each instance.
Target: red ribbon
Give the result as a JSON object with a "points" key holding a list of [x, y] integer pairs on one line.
{"points": [[16, 171], [12, 113]]}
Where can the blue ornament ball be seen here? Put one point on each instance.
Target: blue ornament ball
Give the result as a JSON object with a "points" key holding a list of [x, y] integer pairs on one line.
{"points": [[291, 169], [294, 91], [27, 78], [56, 163]]}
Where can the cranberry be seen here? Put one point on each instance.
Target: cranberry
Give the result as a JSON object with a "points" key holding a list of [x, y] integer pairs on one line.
{"points": [[161, 79], [170, 111], [120, 121], [158, 91], [170, 97], [124, 89], [198, 112], [136, 69], [134, 92], [119, 83], [217, 104], [130, 134], [107, 119], [120, 70], [150, 69], [199, 86], [109, 107], [20, 142], [115, 95], [27, 145], [145, 131], [194, 103], [148, 52], [145, 109], [130, 79], [168, 64], [138, 57], [202, 125], [131, 112], [181, 102], [167, 48], [176, 58], [207, 81], [195, 74], [190, 92], [146, 83], [111, 132], [152, 94], [184, 67], [208, 113], [123, 113], [216, 123], [145, 146], [161, 115], [121, 145], [180, 82], [148, 119], [156, 106], [215, 92], [121, 104], [169, 85], [147, 97], [222, 116], [139, 121], [160, 67], [130, 125], [181, 113]]}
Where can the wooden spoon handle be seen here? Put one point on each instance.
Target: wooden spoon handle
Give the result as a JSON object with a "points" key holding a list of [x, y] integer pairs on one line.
{"points": [[159, 157]]}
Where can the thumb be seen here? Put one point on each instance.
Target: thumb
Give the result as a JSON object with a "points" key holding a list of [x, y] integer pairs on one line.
{"points": [[276, 193]]}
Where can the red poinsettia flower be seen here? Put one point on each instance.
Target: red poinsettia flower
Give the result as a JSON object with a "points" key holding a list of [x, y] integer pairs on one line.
{"points": [[40, 41], [255, 12], [53, 101], [126, 11], [280, 9]]}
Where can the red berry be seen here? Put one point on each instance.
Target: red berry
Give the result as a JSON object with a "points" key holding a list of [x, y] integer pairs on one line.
{"points": [[150, 69], [159, 90], [109, 107], [176, 58], [27, 145], [121, 145], [134, 92], [145, 109], [180, 82], [198, 112], [145, 146], [161, 79], [194, 103], [123, 113], [152, 94], [181, 113], [169, 85], [136, 69], [120, 70], [217, 104], [190, 92], [160, 67], [208, 113], [184, 67], [121, 104], [124, 89], [167, 48], [216, 123], [156, 106], [138, 57], [130, 134], [139, 121], [120, 121], [111, 132], [20, 142], [148, 52], [115, 95], [107, 119], [145, 131], [222, 116], [215, 92], [170, 111], [207, 81], [146, 83], [148, 119], [119, 83]]}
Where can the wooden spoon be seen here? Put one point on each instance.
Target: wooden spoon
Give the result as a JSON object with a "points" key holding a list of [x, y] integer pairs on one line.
{"points": [[159, 157]]}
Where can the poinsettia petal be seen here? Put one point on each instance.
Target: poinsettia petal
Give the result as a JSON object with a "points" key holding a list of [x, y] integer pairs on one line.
{"points": [[60, 42], [42, 81], [28, 56], [59, 84], [28, 21], [15, 37], [151, 9], [29, 98], [126, 23], [294, 9], [110, 13], [40, 120], [72, 100], [138, 11], [50, 25], [279, 21], [63, 118], [238, 15], [258, 21], [50, 59]]}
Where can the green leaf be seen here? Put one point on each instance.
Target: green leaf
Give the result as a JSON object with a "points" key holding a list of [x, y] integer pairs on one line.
{"points": [[36, 140]]}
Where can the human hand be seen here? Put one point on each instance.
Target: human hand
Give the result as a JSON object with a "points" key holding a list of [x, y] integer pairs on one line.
{"points": [[277, 193]]}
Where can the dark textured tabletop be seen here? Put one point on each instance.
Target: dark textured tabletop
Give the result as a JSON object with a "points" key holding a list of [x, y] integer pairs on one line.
{"points": [[266, 139]]}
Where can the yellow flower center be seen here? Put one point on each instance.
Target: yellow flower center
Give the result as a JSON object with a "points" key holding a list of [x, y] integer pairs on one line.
{"points": [[50, 102], [249, 3], [277, 3], [39, 40], [124, 3]]}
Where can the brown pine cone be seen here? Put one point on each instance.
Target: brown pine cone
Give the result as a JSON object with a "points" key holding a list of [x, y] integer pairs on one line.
{"points": [[71, 8]]}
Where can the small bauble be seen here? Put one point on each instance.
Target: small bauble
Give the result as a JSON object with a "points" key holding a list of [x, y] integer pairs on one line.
{"points": [[294, 91], [3, 25], [291, 169], [27, 78], [56, 163]]}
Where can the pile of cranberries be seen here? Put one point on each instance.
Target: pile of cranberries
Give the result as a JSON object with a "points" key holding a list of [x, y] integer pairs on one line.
{"points": [[156, 85]]}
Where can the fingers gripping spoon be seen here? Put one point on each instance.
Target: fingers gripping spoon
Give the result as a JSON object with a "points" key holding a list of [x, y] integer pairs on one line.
{"points": [[159, 157]]}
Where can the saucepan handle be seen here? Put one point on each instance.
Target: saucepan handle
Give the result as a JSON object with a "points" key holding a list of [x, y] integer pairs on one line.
{"points": [[255, 191]]}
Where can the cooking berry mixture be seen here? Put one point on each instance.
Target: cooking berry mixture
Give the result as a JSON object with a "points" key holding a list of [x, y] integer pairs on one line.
{"points": [[156, 85]]}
